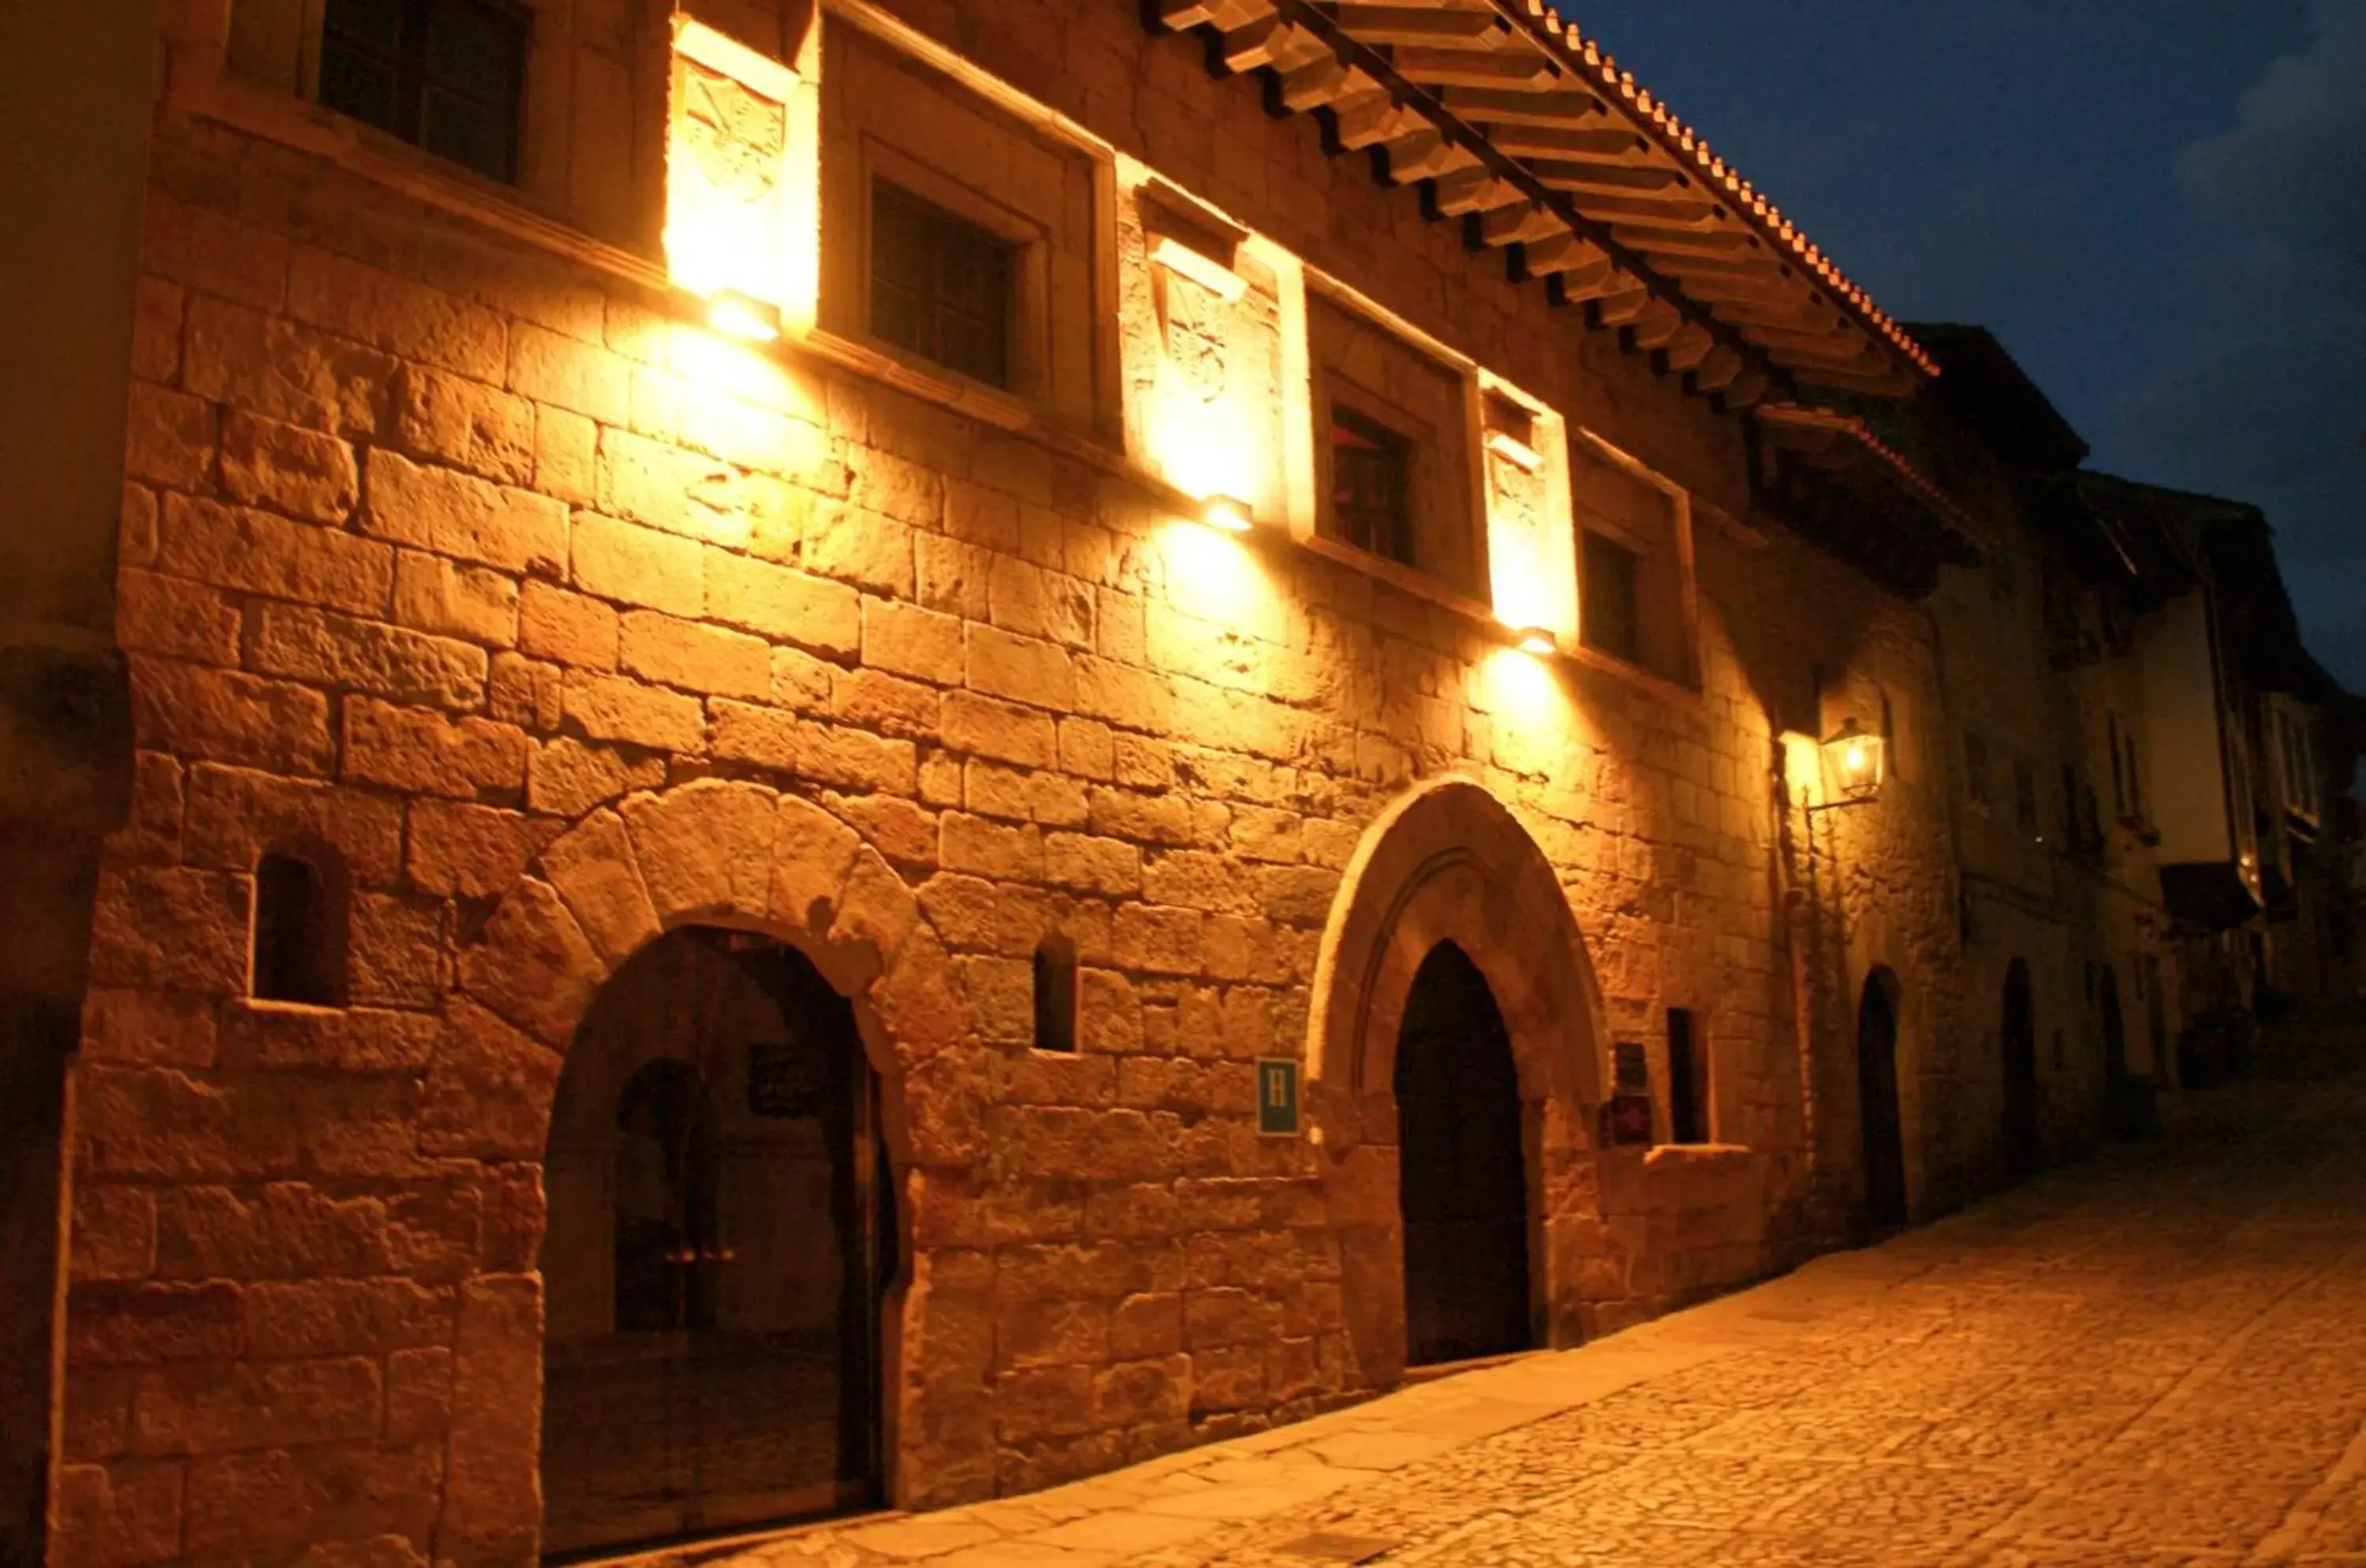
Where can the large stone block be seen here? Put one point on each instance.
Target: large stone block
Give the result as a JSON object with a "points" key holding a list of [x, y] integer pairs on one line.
{"points": [[633, 565], [473, 850], [492, 1497], [435, 594], [176, 618], [594, 871], [338, 651], [325, 1498], [448, 513], [228, 717], [705, 848], [470, 425], [233, 816], [283, 370], [256, 552], [696, 657], [778, 602], [533, 965], [219, 1407], [395, 314], [172, 928], [288, 468], [415, 749]]}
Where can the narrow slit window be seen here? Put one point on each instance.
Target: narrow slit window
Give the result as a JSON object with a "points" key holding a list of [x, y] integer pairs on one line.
{"points": [[299, 930], [1055, 994], [941, 286], [1688, 1118], [446, 76]]}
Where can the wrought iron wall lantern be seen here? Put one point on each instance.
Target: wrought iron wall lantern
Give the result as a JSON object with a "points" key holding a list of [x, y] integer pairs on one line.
{"points": [[1855, 764]]}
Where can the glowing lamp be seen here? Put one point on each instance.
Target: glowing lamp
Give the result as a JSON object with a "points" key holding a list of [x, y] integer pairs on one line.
{"points": [[1213, 275], [1514, 450], [1853, 765], [1538, 640], [743, 316], [1229, 514]]}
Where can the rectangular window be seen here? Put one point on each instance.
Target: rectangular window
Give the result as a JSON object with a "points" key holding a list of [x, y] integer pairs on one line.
{"points": [[1607, 618], [446, 75], [962, 230], [1976, 772], [1393, 447], [1371, 485], [1634, 569], [1688, 1117], [940, 286]]}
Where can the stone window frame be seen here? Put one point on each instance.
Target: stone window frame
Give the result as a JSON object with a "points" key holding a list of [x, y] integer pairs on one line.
{"points": [[1685, 681], [1060, 335], [1309, 450], [259, 73]]}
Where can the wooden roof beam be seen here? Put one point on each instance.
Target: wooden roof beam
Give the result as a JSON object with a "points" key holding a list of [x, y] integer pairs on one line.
{"points": [[1471, 68], [1421, 24], [1556, 141], [1522, 223], [1475, 191], [1556, 108]]}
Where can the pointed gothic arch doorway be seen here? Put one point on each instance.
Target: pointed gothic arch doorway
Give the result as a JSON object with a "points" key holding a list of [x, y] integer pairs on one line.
{"points": [[715, 1252], [1462, 1181], [2019, 1041], [1881, 1119]]}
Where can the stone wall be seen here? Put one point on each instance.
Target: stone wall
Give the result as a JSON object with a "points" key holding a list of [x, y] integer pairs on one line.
{"points": [[563, 622]]}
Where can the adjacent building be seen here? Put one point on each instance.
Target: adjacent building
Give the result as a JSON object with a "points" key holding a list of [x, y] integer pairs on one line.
{"points": [[882, 752]]}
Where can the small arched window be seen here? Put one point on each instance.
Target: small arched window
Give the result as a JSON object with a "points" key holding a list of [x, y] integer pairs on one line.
{"points": [[299, 928], [1055, 994]]}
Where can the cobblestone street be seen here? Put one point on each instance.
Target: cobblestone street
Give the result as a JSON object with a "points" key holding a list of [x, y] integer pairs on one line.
{"points": [[2155, 1357]]}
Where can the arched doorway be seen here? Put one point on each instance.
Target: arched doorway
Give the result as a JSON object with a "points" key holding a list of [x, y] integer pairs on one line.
{"points": [[1882, 1121], [1462, 1177], [715, 1252], [2020, 1052]]}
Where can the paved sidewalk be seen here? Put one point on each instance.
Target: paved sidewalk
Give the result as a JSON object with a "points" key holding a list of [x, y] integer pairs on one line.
{"points": [[2157, 1358]]}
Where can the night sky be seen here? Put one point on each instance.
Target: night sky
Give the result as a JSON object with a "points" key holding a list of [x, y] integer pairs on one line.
{"points": [[2158, 206]]}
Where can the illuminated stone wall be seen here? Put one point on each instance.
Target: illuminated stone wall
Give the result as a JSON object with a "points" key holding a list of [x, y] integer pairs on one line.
{"points": [[457, 549]]}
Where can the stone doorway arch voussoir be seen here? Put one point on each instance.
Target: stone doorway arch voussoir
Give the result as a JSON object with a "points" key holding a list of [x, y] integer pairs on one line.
{"points": [[712, 853], [1449, 862]]}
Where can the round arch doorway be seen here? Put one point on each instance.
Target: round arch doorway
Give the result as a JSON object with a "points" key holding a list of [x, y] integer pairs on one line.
{"points": [[715, 1252], [1462, 1182]]}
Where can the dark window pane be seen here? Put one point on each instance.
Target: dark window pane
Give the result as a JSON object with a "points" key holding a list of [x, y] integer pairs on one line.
{"points": [[471, 49], [357, 84], [446, 76], [939, 286], [376, 23], [1371, 489], [1687, 1107], [472, 134], [1607, 614]]}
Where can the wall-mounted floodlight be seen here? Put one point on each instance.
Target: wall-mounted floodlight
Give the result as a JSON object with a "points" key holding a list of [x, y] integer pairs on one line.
{"points": [[1228, 514]]}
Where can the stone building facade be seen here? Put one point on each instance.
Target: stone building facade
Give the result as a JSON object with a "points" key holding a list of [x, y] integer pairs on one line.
{"points": [[601, 784]]}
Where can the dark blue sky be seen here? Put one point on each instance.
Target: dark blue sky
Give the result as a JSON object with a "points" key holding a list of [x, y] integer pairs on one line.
{"points": [[2159, 206]]}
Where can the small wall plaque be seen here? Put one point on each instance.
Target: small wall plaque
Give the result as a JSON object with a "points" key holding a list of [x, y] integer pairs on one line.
{"points": [[1277, 1091]]}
